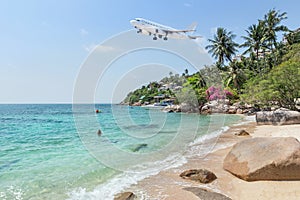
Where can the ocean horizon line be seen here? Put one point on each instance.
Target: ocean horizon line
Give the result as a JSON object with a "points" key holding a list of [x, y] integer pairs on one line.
{"points": [[59, 103]]}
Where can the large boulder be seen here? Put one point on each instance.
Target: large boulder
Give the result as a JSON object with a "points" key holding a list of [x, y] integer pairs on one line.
{"points": [[205, 194], [201, 175], [278, 117], [239, 111], [189, 108], [232, 110], [216, 106], [265, 159]]}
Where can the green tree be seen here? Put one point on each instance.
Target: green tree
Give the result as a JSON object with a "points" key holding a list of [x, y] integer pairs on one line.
{"points": [[235, 76], [292, 37], [285, 80], [189, 97], [272, 21], [280, 87], [293, 53], [196, 81], [255, 39], [222, 47]]}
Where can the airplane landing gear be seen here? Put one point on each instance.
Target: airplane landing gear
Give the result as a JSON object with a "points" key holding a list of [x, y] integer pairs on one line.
{"points": [[154, 38], [139, 31], [165, 38]]}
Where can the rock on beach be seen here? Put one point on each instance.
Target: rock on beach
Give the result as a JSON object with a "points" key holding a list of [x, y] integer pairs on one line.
{"points": [[265, 158], [201, 175]]}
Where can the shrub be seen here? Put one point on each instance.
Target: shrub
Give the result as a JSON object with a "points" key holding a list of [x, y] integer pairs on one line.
{"points": [[215, 93]]}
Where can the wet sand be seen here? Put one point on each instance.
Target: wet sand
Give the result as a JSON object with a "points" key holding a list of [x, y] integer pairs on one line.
{"points": [[168, 185]]}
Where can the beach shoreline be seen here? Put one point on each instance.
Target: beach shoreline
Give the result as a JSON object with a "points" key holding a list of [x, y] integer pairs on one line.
{"points": [[169, 185]]}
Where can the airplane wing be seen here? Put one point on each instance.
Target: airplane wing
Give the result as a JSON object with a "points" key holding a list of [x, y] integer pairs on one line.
{"points": [[191, 28], [177, 31]]}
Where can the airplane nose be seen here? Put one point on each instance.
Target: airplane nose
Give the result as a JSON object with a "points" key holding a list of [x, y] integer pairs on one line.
{"points": [[132, 21]]}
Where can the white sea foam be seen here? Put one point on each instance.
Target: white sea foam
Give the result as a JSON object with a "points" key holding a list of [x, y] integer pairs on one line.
{"points": [[205, 144], [209, 136], [107, 190], [246, 120], [12, 193], [121, 182]]}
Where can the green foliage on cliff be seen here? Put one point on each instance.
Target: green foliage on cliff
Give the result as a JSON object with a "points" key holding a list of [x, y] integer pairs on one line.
{"points": [[266, 74], [147, 94], [280, 87]]}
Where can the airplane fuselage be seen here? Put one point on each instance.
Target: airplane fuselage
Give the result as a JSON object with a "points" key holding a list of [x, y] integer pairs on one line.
{"points": [[159, 31]]}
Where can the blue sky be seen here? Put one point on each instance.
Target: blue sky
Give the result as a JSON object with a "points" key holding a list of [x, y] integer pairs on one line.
{"points": [[44, 43]]}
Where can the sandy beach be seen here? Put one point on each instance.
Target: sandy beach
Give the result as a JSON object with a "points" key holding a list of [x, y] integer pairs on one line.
{"points": [[169, 185]]}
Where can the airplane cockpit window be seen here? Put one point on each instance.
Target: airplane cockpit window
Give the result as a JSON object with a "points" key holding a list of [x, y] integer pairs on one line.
{"points": [[137, 20]]}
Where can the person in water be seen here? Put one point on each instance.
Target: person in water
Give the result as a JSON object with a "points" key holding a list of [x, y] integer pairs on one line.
{"points": [[99, 132], [98, 111]]}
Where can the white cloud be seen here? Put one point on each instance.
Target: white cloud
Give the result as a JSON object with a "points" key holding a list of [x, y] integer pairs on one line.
{"points": [[100, 48], [83, 32], [187, 4]]}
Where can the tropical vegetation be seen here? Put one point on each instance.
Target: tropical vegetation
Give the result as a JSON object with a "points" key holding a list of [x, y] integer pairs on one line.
{"points": [[266, 74]]}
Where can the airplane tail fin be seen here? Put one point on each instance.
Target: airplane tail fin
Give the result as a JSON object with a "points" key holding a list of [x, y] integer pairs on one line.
{"points": [[192, 27]]}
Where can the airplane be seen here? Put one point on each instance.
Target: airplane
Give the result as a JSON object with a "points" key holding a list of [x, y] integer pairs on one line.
{"points": [[147, 27]]}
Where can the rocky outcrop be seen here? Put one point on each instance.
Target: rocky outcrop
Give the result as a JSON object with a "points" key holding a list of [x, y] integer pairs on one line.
{"points": [[172, 108], [137, 104], [242, 133], [278, 117], [201, 175], [215, 106], [188, 108], [125, 196], [265, 159], [223, 106], [205, 194]]}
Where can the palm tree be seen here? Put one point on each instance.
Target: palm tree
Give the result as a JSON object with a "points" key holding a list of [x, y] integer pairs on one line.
{"points": [[197, 80], [223, 47], [235, 75], [272, 22], [255, 39]]}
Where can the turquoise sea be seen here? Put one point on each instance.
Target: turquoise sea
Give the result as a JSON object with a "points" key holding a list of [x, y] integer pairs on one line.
{"points": [[53, 151]]}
